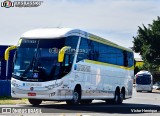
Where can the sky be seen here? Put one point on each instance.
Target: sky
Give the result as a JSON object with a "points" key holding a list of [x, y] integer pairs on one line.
{"points": [[115, 20]]}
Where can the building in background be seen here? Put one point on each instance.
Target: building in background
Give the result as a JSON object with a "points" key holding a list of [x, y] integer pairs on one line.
{"points": [[139, 62]]}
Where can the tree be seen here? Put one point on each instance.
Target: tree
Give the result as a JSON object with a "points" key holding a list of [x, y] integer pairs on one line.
{"points": [[147, 43]]}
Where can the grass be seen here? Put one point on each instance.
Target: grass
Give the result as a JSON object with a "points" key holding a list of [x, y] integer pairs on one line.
{"points": [[10, 100]]}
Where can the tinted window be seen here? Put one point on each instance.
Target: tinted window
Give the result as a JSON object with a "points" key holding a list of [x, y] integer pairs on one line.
{"points": [[84, 50], [143, 79], [37, 60], [104, 53], [119, 57], [103, 49], [72, 42], [130, 59], [125, 58], [69, 55]]}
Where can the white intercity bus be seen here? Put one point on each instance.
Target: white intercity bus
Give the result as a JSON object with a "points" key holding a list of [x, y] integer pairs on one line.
{"points": [[144, 81], [70, 65]]}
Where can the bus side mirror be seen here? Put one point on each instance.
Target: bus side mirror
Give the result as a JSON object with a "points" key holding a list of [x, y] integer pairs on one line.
{"points": [[62, 52], [6, 56]]}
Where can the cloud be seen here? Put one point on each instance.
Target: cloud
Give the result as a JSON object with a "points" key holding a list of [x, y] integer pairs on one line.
{"points": [[116, 20]]}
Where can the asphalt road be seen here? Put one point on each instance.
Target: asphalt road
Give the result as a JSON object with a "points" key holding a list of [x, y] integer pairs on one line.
{"points": [[141, 103]]}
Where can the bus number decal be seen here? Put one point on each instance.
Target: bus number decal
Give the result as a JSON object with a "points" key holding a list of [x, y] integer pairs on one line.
{"points": [[82, 68]]}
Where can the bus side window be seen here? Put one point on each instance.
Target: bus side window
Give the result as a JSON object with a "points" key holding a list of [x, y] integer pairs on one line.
{"points": [[83, 50], [0, 66], [66, 64], [125, 59], [130, 59]]}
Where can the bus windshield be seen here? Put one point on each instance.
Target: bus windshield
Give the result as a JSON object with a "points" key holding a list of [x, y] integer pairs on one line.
{"points": [[143, 79], [37, 60]]}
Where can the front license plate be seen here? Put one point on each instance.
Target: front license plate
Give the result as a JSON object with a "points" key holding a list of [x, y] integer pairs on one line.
{"points": [[31, 94]]}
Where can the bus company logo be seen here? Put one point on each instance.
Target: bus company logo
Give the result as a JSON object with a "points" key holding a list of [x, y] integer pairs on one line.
{"points": [[31, 88], [7, 4], [53, 50]]}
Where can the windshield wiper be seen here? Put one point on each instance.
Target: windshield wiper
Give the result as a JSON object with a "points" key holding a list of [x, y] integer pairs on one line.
{"points": [[30, 66]]}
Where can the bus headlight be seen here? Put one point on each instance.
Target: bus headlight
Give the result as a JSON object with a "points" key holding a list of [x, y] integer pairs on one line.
{"points": [[13, 83]]}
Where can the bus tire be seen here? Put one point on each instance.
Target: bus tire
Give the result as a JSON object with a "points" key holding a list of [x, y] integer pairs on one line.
{"points": [[118, 99], [121, 98], [76, 97], [35, 102], [86, 101]]}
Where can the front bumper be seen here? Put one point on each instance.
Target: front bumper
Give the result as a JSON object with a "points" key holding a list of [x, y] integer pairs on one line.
{"points": [[54, 94]]}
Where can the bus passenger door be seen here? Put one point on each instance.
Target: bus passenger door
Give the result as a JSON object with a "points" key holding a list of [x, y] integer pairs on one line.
{"points": [[66, 67]]}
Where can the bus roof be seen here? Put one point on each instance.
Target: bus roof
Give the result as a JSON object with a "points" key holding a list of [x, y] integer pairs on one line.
{"points": [[144, 72], [42, 33]]}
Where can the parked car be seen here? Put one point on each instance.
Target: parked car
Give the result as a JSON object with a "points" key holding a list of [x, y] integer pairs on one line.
{"points": [[156, 85]]}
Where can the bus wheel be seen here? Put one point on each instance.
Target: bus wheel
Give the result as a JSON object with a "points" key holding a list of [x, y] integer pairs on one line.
{"points": [[86, 101], [76, 97], [118, 98], [121, 98], [35, 102]]}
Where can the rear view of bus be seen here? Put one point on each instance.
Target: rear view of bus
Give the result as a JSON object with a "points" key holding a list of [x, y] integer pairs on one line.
{"points": [[144, 81]]}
